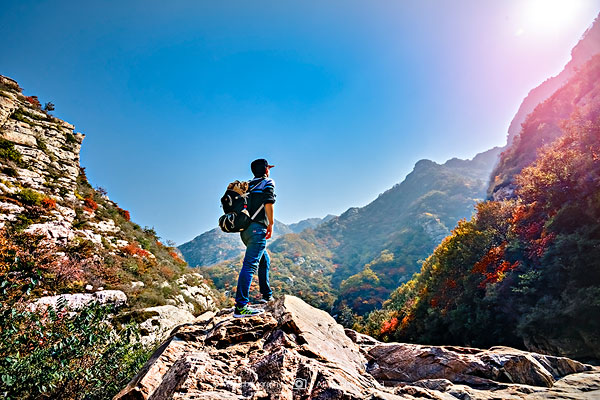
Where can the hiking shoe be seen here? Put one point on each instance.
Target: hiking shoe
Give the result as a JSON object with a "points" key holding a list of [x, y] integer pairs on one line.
{"points": [[265, 300], [246, 312]]}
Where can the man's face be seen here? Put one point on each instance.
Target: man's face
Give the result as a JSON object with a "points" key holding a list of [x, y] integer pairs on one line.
{"points": [[268, 169]]}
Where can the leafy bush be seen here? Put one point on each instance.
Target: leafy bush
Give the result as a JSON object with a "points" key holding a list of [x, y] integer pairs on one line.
{"points": [[8, 152], [62, 355], [30, 197], [34, 101]]}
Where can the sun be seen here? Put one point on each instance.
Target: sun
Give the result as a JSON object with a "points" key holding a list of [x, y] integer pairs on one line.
{"points": [[547, 16]]}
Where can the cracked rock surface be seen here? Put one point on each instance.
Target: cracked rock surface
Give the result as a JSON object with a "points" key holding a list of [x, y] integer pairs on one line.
{"points": [[295, 351]]}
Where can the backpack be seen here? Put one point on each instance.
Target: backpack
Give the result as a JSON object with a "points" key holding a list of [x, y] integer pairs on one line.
{"points": [[235, 203]]}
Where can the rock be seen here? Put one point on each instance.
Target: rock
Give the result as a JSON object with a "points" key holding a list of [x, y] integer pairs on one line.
{"points": [[291, 351], [7, 106], [192, 286], [59, 231], [294, 351], [401, 362], [77, 301], [156, 322]]}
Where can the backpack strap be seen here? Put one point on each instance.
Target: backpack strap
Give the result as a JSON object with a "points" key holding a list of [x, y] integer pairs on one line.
{"points": [[262, 205], [257, 211]]}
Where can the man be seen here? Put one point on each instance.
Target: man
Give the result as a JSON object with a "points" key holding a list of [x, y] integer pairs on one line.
{"points": [[262, 197]]}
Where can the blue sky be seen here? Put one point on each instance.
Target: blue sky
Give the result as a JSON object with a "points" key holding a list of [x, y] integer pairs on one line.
{"points": [[176, 98]]}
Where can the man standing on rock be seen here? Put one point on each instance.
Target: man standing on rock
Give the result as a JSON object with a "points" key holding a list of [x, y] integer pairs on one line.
{"points": [[262, 197]]}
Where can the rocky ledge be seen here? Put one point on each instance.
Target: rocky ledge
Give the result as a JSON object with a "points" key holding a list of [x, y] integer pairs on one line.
{"points": [[295, 351]]}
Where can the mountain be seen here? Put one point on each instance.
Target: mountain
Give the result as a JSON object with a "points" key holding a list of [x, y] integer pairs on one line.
{"points": [[215, 246], [294, 351], [46, 199], [309, 223], [523, 128], [524, 271], [86, 292], [588, 45], [389, 236]]}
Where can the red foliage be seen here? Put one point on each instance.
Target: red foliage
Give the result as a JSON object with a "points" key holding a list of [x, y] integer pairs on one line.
{"points": [[33, 100], [132, 249], [176, 257], [490, 260], [389, 326], [538, 247], [90, 204], [498, 274], [124, 213], [49, 203]]}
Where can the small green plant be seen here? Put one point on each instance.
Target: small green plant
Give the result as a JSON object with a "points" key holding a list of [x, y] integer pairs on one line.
{"points": [[42, 144], [9, 171], [8, 152], [26, 116], [30, 197], [71, 138]]}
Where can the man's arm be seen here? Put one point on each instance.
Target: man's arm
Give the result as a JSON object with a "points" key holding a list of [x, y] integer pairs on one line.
{"points": [[269, 212]]}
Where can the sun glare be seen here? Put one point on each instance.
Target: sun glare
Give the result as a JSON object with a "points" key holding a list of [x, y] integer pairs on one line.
{"points": [[547, 16]]}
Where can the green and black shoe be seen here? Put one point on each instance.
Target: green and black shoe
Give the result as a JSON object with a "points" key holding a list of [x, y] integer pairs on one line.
{"points": [[246, 311]]}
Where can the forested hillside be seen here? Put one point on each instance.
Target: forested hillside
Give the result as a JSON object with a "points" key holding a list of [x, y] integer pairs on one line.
{"points": [[542, 126], [524, 271], [377, 246]]}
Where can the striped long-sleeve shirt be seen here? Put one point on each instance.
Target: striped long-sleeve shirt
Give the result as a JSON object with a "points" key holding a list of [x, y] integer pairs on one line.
{"points": [[262, 191]]}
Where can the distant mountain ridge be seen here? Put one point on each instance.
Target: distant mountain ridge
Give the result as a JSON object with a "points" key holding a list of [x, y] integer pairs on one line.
{"points": [[215, 246]]}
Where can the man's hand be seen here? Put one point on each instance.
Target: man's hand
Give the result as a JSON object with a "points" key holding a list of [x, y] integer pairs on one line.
{"points": [[269, 212]]}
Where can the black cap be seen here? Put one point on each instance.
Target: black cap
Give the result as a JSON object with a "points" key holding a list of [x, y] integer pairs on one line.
{"points": [[259, 167]]}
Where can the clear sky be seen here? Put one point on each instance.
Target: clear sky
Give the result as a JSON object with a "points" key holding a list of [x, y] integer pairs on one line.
{"points": [[176, 98]]}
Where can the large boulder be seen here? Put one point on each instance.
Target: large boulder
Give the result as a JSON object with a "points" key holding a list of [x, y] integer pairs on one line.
{"points": [[294, 351]]}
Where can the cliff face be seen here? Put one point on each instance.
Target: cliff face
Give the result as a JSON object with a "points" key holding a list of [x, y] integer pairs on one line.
{"points": [[89, 242], [294, 351], [40, 153]]}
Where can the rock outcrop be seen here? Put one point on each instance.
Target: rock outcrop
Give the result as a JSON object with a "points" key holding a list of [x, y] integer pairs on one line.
{"points": [[93, 242], [294, 351], [77, 301]]}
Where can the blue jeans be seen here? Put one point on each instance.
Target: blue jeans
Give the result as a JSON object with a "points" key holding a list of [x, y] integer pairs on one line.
{"points": [[254, 237]]}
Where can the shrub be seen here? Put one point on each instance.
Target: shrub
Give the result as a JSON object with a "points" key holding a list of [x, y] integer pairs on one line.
{"points": [[49, 106], [49, 203], [132, 249], [33, 100], [30, 197], [90, 204], [8, 152], [58, 355], [71, 138], [124, 213]]}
